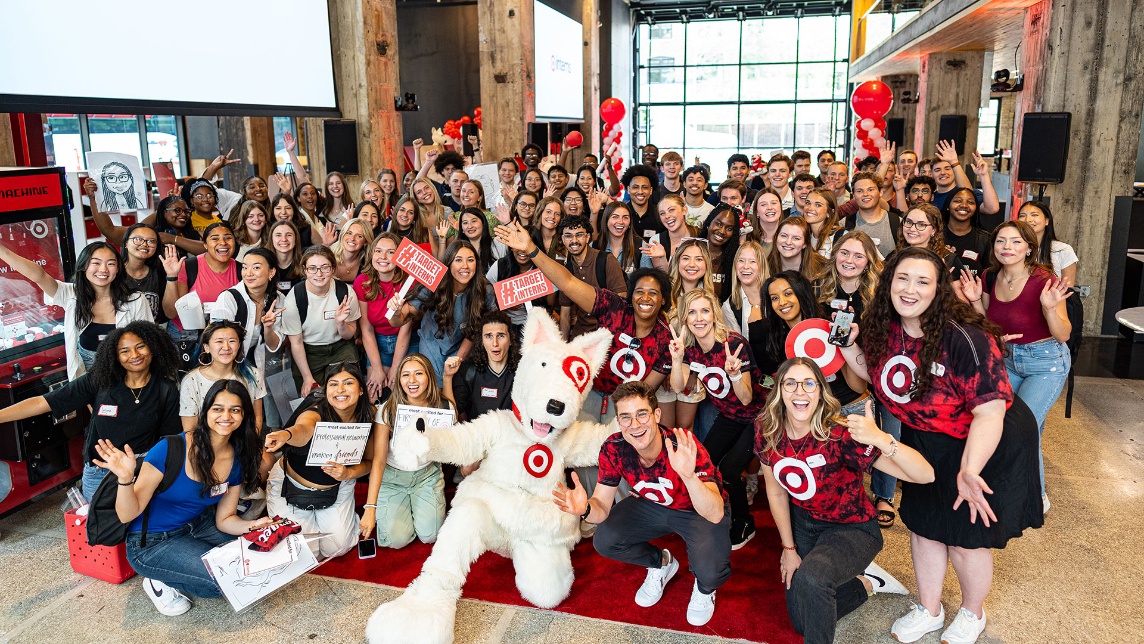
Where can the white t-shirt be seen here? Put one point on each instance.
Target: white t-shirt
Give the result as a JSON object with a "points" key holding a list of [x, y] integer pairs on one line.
{"points": [[382, 418], [320, 327], [1063, 256], [195, 386], [136, 309], [697, 215]]}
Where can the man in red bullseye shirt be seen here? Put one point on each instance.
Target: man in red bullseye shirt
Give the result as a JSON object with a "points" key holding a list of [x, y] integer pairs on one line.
{"points": [[676, 489]]}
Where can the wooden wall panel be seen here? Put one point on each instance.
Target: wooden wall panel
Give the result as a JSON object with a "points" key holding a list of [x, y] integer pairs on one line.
{"points": [[508, 84]]}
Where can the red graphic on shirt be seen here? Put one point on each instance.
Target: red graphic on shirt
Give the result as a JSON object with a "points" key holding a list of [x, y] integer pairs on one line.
{"points": [[577, 369], [659, 482], [631, 358], [657, 492], [796, 477], [538, 460], [708, 368]]}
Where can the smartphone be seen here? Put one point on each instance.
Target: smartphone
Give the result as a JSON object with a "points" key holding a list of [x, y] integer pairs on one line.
{"points": [[367, 548], [840, 328]]}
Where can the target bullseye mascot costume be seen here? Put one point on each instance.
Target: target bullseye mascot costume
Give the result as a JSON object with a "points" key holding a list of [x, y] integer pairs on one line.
{"points": [[506, 505]]}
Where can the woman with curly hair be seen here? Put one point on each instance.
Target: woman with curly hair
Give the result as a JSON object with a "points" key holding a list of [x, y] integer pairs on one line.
{"points": [[641, 182], [199, 511], [451, 315], [96, 301], [937, 365], [131, 388], [814, 462]]}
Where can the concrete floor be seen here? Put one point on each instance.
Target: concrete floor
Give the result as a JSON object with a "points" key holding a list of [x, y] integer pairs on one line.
{"points": [[1075, 580]]}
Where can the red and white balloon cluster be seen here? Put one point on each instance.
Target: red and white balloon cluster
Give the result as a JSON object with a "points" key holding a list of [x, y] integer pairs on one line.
{"points": [[612, 113], [871, 101]]}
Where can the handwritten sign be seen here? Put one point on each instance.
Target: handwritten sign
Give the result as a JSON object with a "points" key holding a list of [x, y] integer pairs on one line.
{"points": [[338, 442], [407, 414], [522, 288], [420, 265]]}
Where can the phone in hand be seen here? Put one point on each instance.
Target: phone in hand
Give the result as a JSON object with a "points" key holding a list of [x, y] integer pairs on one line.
{"points": [[840, 328], [367, 548]]}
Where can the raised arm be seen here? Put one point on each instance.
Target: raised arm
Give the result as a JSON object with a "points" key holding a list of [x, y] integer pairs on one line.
{"points": [[300, 171], [989, 202], [30, 270], [947, 152], [107, 228], [220, 162], [580, 292]]}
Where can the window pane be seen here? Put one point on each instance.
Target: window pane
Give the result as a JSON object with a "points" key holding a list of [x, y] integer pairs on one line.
{"points": [[665, 126], [664, 84], [712, 126], [644, 44], [815, 36], [711, 43], [665, 40], [878, 27], [815, 81], [814, 125], [842, 37], [114, 133], [768, 82], [163, 141], [770, 40], [712, 84], [767, 126], [62, 140], [715, 158]]}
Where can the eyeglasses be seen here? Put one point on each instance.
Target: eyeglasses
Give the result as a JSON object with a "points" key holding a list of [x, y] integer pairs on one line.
{"points": [[920, 191], [808, 386], [180, 211], [143, 241], [117, 178], [319, 270], [625, 420], [575, 236], [917, 225], [526, 206], [573, 200], [203, 197]]}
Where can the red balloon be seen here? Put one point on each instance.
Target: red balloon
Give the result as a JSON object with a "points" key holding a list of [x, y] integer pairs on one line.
{"points": [[872, 99], [465, 119], [880, 124], [612, 110], [574, 139]]}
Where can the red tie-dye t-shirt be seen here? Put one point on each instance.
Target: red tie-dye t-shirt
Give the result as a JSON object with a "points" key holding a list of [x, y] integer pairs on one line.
{"points": [[658, 483]]}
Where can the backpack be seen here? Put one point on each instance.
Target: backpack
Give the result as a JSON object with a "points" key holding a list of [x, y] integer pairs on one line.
{"points": [[240, 312], [192, 268], [103, 525], [601, 268], [341, 290]]}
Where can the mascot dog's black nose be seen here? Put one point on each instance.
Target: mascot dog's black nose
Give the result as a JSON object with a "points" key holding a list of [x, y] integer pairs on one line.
{"points": [[555, 407]]}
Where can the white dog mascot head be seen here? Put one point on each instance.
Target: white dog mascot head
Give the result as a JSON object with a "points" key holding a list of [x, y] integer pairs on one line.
{"points": [[554, 377]]}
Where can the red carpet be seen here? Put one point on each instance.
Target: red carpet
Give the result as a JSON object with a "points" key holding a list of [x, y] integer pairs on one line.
{"points": [[750, 606]]}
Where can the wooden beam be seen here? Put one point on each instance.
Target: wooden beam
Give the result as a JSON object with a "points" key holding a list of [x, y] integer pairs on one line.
{"points": [[950, 83], [508, 84], [1034, 51], [591, 127], [908, 111], [232, 135], [260, 145], [7, 146]]}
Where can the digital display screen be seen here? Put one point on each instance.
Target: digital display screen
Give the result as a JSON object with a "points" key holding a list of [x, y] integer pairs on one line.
{"points": [[559, 66]]}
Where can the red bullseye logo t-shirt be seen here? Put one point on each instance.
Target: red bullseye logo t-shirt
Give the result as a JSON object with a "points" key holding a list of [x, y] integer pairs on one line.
{"points": [[658, 483]]}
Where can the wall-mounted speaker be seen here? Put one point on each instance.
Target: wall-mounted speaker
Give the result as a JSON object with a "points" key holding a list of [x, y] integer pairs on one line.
{"points": [[952, 127], [341, 145], [1044, 147], [896, 131]]}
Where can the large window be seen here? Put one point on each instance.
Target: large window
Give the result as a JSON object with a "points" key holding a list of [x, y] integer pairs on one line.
{"points": [[988, 128], [759, 86], [69, 136]]}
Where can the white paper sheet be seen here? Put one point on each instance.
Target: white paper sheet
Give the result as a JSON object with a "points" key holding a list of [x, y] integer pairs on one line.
{"points": [[338, 442], [225, 564], [119, 180]]}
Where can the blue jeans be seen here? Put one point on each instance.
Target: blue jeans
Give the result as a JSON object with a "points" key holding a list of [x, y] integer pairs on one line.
{"points": [[386, 345], [5, 480], [704, 418], [1038, 372], [882, 484], [175, 557], [92, 476]]}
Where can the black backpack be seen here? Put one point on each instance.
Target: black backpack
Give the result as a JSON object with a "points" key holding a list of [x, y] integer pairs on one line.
{"points": [[341, 290], [240, 312], [601, 268], [103, 525]]}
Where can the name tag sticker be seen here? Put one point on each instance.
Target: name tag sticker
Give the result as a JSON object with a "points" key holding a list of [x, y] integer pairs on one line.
{"points": [[220, 489], [938, 369], [877, 242], [102, 338], [816, 460], [488, 392], [111, 411], [695, 366], [328, 315], [283, 286], [969, 254]]}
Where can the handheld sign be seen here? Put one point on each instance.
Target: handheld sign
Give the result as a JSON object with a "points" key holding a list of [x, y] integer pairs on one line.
{"points": [[808, 339], [420, 265], [522, 288], [338, 442]]}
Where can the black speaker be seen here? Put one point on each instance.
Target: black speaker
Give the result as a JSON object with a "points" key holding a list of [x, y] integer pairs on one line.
{"points": [[538, 134], [952, 127], [1043, 149], [896, 131], [341, 145]]}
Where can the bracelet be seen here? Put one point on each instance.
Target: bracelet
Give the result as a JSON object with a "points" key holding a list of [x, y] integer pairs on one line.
{"points": [[893, 448], [587, 512], [289, 432], [534, 253], [791, 548], [973, 301], [735, 378], [131, 482], [370, 505], [172, 279]]}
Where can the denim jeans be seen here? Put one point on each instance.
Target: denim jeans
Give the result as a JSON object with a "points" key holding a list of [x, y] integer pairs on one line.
{"points": [[704, 418], [5, 480], [882, 484], [175, 557], [1038, 372], [93, 475]]}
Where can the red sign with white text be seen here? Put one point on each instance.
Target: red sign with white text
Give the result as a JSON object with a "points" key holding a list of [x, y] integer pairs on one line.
{"points": [[30, 191], [522, 288], [419, 264]]}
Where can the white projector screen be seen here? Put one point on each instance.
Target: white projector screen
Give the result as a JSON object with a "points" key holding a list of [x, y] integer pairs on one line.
{"points": [[559, 66], [252, 57]]}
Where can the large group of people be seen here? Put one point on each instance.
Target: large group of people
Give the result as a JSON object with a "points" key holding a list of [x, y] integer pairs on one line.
{"points": [[956, 353]]}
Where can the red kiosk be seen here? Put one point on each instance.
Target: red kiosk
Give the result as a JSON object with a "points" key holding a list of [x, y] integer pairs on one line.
{"points": [[42, 454]]}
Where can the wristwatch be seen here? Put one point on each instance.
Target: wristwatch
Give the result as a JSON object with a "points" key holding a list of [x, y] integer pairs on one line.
{"points": [[587, 513], [534, 253]]}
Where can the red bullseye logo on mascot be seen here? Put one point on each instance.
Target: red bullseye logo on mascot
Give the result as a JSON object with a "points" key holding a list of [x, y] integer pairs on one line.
{"points": [[808, 340], [577, 369], [538, 460]]}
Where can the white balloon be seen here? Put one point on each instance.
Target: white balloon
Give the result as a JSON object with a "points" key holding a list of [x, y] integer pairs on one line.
{"points": [[867, 123], [875, 134], [880, 142]]}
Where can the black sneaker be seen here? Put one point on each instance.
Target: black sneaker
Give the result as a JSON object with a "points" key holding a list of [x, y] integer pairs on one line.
{"points": [[741, 533]]}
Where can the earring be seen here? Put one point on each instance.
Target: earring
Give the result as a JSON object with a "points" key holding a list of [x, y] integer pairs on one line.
{"points": [[207, 363], [241, 358]]}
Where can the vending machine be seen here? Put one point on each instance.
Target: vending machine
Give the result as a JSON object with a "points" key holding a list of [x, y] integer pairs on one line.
{"points": [[40, 454]]}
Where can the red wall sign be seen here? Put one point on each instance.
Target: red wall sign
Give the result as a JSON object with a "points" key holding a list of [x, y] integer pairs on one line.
{"points": [[522, 288], [29, 191], [420, 265]]}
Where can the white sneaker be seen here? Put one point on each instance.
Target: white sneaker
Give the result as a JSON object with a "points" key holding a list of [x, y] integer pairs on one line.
{"points": [[964, 628], [882, 581], [912, 626], [652, 589], [1045, 502], [752, 487], [167, 600], [701, 607]]}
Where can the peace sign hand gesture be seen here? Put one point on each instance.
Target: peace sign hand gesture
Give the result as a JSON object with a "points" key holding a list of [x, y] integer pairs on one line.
{"points": [[981, 167], [271, 316], [675, 347], [1053, 294], [223, 160], [343, 312], [733, 364], [682, 458]]}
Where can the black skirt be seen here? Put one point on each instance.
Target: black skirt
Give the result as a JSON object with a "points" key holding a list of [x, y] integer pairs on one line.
{"points": [[1012, 474]]}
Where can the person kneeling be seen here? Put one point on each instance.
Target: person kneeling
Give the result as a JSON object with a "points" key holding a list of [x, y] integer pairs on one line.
{"points": [[676, 490], [321, 497], [814, 462], [200, 509]]}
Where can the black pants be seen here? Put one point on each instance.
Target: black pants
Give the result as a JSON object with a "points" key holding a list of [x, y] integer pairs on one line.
{"points": [[729, 443], [826, 586], [635, 521]]}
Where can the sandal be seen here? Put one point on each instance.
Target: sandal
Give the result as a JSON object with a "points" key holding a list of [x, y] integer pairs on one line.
{"points": [[885, 517]]}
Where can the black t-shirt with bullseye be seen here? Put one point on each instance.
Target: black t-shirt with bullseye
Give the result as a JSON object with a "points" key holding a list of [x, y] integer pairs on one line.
{"points": [[708, 368], [625, 361], [659, 483], [823, 478]]}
